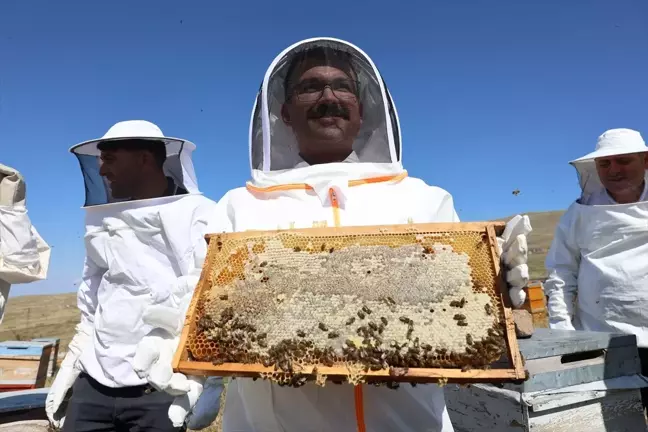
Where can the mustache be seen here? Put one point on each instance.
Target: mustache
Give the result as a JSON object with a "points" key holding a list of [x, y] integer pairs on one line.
{"points": [[328, 110]]}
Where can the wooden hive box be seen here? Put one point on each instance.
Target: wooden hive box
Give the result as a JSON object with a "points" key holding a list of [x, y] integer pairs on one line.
{"points": [[553, 398], [52, 366], [380, 304], [23, 364]]}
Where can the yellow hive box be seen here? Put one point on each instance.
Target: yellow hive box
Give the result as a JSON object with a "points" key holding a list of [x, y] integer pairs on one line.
{"points": [[381, 304]]}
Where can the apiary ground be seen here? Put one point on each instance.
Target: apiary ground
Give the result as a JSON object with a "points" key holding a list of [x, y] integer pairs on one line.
{"points": [[372, 302]]}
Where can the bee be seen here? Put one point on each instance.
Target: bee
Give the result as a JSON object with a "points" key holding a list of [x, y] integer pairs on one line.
{"points": [[350, 321], [331, 250], [366, 309], [297, 249], [323, 248], [459, 317], [391, 300], [384, 320], [462, 323], [350, 343], [361, 315], [263, 264], [404, 320], [466, 368], [488, 308], [333, 335], [454, 303], [469, 339], [409, 333], [301, 333], [323, 327], [373, 326], [218, 361], [223, 296]]}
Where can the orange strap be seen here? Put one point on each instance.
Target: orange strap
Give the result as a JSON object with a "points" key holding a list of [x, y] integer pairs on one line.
{"points": [[359, 408], [303, 186]]}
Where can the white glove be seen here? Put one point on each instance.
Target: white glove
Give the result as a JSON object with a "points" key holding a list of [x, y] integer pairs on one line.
{"points": [[513, 251], [154, 355], [66, 375]]}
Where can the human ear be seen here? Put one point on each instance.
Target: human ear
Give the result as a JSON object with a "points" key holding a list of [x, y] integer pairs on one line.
{"points": [[285, 114]]}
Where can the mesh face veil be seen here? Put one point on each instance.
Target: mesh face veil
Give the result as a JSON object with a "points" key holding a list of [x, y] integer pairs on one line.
{"points": [[178, 164], [354, 92]]}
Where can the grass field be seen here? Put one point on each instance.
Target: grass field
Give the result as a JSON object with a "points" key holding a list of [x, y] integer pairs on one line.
{"points": [[30, 317]]}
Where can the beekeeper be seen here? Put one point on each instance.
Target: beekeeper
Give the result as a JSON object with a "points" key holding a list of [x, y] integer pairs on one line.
{"points": [[326, 151], [598, 271], [145, 226], [24, 255]]}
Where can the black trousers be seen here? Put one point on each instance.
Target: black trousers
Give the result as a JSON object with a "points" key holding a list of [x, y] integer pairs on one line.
{"points": [[643, 357], [94, 407]]}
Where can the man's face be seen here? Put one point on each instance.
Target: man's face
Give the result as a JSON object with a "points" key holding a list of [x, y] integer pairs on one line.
{"points": [[622, 174], [323, 110], [121, 169]]}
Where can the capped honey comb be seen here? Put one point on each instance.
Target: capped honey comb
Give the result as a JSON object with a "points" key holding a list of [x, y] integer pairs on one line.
{"points": [[296, 305]]}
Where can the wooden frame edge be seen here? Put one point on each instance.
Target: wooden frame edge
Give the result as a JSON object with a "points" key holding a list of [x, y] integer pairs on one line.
{"points": [[498, 226], [515, 358]]}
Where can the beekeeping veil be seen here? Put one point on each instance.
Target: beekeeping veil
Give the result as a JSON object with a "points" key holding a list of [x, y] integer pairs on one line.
{"points": [[274, 151], [613, 142], [178, 164]]}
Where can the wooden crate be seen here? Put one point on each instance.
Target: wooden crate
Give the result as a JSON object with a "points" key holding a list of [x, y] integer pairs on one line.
{"points": [[511, 369], [23, 364], [52, 367], [553, 399], [536, 305]]}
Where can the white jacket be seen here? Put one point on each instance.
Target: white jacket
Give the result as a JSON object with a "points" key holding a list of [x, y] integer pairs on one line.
{"points": [[139, 253], [24, 255], [375, 190], [599, 254], [597, 263]]}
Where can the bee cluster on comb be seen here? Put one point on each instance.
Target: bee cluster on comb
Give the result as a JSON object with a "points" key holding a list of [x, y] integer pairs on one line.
{"points": [[297, 302]]}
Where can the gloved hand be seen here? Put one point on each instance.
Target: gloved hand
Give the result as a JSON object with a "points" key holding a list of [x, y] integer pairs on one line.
{"points": [[66, 375], [153, 361], [513, 251]]}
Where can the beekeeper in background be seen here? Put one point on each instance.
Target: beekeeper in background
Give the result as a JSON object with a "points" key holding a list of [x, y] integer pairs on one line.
{"points": [[145, 226], [24, 255], [326, 151], [599, 255]]}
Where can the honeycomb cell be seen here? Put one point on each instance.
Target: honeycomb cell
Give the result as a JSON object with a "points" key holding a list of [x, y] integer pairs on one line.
{"points": [[361, 301]]}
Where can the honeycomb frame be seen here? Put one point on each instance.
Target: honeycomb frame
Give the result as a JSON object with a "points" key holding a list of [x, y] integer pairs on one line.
{"points": [[497, 365]]}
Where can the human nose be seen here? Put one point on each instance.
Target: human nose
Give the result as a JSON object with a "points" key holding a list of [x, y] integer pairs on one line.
{"points": [[103, 170], [328, 94]]}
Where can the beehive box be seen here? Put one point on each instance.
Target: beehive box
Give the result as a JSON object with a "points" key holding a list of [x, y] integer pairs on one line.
{"points": [[23, 365], [52, 367], [381, 304], [579, 381]]}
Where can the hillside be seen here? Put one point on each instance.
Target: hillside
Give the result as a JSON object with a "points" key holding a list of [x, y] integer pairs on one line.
{"points": [[34, 316]]}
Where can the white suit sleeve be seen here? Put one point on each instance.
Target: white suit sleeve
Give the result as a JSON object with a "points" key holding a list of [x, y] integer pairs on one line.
{"points": [[441, 206], [562, 264], [24, 255]]}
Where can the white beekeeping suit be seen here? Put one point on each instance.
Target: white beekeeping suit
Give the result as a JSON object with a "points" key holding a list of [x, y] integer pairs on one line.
{"points": [[597, 263], [370, 187], [140, 255], [24, 255]]}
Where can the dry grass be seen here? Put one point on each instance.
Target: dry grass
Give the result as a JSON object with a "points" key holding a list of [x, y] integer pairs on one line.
{"points": [[36, 316]]}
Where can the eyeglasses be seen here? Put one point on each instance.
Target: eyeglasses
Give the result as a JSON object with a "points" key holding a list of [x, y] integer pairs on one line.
{"points": [[312, 90]]}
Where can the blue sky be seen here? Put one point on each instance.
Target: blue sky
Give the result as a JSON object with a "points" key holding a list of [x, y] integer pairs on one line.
{"points": [[492, 95]]}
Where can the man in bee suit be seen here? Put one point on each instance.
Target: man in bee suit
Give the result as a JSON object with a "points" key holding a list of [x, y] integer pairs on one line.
{"points": [[24, 255], [145, 226], [325, 150], [598, 271]]}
